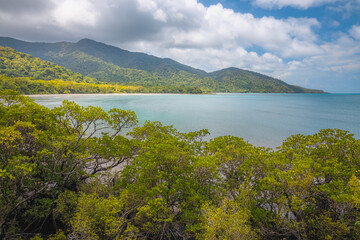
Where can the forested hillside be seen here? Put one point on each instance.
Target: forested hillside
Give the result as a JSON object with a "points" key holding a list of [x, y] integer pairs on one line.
{"points": [[109, 64], [69, 173], [62, 52], [238, 80], [30, 75], [17, 64]]}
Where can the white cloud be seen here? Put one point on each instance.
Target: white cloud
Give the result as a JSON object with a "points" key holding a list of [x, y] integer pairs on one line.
{"points": [[218, 27], [208, 38], [346, 8], [355, 31], [302, 4], [338, 63], [334, 23], [168, 24], [70, 12], [220, 38], [211, 59]]}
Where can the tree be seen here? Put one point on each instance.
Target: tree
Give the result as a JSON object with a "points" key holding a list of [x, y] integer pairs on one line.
{"points": [[166, 182], [45, 152], [310, 181], [228, 221]]}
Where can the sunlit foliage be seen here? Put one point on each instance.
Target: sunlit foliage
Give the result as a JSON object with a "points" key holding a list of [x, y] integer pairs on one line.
{"points": [[69, 173]]}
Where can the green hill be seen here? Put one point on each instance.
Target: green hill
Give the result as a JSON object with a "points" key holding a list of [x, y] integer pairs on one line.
{"points": [[69, 54], [17, 64], [109, 64], [238, 80], [29, 75]]}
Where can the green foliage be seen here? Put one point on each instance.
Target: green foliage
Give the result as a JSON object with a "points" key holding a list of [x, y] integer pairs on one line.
{"points": [[25, 85], [68, 173], [166, 181], [58, 236], [238, 80], [307, 186], [45, 152], [66, 204], [28, 75], [97, 218], [17, 64], [109, 64], [229, 221]]}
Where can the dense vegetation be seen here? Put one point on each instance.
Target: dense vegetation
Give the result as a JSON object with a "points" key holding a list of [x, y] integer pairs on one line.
{"points": [[26, 85], [17, 64], [238, 80], [68, 173], [110, 64], [29, 75]]}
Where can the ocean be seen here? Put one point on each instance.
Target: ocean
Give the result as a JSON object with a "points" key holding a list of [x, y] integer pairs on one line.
{"points": [[261, 119]]}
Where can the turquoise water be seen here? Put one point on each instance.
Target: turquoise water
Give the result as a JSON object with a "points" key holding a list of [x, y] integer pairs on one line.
{"points": [[262, 119]]}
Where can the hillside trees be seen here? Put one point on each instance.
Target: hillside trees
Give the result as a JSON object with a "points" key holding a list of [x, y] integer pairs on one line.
{"points": [[45, 152], [17, 64], [104, 64], [28, 75], [68, 172]]}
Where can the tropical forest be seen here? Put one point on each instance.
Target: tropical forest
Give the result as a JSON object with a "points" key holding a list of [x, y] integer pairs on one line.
{"points": [[70, 172], [84, 173]]}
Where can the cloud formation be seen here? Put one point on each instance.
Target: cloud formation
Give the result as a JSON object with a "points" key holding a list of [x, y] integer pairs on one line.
{"points": [[302, 4], [208, 38], [355, 31]]}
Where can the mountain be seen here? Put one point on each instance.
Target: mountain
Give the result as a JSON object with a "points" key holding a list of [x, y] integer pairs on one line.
{"points": [[238, 80], [62, 52], [109, 64], [18, 64], [29, 75]]}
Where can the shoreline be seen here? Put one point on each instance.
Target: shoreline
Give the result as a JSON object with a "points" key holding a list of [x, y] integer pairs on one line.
{"points": [[157, 94], [103, 94]]}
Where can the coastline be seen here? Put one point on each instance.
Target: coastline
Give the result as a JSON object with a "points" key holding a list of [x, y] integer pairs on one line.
{"points": [[270, 117], [157, 94], [104, 94]]}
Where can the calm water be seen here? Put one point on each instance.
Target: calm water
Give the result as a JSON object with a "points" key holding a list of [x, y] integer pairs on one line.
{"points": [[261, 119]]}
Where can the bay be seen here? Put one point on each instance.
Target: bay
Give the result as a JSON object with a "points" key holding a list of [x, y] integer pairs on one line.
{"points": [[262, 119]]}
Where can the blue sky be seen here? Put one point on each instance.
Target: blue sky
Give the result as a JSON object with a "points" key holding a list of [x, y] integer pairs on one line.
{"points": [[311, 43], [333, 15]]}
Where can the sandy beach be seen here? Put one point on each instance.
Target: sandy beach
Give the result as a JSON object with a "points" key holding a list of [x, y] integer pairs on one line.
{"points": [[102, 94]]}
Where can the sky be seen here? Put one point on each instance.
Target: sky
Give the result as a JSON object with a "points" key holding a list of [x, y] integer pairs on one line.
{"points": [[311, 43]]}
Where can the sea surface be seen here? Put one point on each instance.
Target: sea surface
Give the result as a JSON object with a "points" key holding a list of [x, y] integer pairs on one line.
{"points": [[261, 119]]}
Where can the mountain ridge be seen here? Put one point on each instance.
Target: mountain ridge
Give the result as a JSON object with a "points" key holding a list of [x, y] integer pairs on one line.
{"points": [[110, 64], [26, 74]]}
